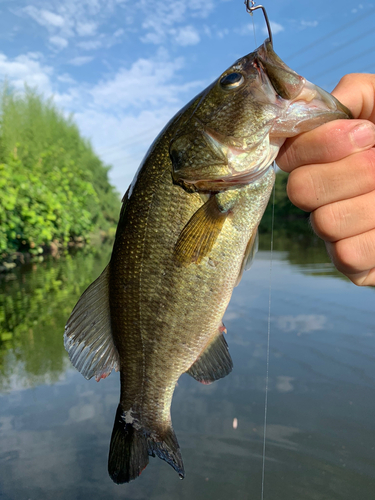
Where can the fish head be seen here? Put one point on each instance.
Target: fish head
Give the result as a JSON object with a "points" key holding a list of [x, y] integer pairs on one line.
{"points": [[229, 135]]}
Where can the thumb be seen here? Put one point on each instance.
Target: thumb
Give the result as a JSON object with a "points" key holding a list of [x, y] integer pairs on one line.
{"points": [[357, 92]]}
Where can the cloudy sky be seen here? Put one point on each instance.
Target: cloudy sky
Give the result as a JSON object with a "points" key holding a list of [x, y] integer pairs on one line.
{"points": [[124, 67]]}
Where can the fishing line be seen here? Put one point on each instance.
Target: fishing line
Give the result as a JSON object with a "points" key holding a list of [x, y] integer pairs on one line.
{"points": [[268, 342]]}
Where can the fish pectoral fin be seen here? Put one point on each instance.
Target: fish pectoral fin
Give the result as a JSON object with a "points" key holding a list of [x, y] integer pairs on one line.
{"points": [[214, 363], [251, 250], [200, 233], [88, 334], [131, 445]]}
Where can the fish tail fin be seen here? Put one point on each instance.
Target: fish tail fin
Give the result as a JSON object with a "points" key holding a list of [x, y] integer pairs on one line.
{"points": [[169, 450], [130, 448]]}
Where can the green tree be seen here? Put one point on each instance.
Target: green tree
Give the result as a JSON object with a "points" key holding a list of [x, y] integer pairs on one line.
{"points": [[52, 185]]}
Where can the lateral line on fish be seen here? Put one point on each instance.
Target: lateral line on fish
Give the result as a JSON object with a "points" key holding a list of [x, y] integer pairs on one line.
{"points": [[268, 344], [140, 295]]}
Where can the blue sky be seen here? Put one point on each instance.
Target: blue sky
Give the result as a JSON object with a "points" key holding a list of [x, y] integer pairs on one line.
{"points": [[125, 67]]}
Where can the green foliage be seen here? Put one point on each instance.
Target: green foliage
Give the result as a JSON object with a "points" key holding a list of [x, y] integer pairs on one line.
{"points": [[52, 185], [289, 220]]}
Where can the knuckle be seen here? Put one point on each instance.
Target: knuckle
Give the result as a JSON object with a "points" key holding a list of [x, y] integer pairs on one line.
{"points": [[344, 256], [348, 256], [301, 189], [367, 159], [326, 222], [348, 79], [287, 158]]}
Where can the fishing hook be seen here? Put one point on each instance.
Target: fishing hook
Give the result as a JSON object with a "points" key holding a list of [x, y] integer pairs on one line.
{"points": [[250, 9]]}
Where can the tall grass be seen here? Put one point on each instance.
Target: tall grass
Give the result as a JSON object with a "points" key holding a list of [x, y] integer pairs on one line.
{"points": [[52, 185]]}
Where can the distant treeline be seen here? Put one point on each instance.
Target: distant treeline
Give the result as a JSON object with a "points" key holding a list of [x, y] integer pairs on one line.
{"points": [[288, 219], [53, 188]]}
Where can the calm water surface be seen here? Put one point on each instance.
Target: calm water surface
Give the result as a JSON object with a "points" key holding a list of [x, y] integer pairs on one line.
{"points": [[55, 426]]}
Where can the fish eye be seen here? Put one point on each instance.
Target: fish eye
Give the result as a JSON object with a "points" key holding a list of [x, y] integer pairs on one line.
{"points": [[231, 81]]}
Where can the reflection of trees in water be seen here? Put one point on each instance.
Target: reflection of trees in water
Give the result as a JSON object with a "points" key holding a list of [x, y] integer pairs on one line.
{"points": [[34, 306], [300, 249], [36, 300]]}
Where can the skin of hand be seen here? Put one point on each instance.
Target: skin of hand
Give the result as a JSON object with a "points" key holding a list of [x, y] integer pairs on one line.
{"points": [[332, 175]]}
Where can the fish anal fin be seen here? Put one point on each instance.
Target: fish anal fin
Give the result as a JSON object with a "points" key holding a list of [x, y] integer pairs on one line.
{"points": [[200, 233], [88, 335], [251, 250], [131, 445], [214, 363]]}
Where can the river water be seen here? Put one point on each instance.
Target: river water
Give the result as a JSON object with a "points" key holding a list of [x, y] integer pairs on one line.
{"points": [[55, 426]]}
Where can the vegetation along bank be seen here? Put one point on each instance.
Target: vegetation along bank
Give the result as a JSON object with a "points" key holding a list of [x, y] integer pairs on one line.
{"points": [[54, 190]]}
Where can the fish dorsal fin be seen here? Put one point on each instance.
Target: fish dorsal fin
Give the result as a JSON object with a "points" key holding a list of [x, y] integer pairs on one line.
{"points": [[251, 250], [215, 362], [200, 233], [88, 334]]}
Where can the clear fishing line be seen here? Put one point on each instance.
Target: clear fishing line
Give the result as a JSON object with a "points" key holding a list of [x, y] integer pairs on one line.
{"points": [[268, 343]]}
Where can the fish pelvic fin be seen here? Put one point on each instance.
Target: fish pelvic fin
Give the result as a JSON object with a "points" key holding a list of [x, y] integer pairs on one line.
{"points": [[251, 250], [131, 446], [215, 361], [88, 334]]}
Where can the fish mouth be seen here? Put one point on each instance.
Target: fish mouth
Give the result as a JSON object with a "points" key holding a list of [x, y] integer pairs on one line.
{"points": [[292, 105], [306, 105]]}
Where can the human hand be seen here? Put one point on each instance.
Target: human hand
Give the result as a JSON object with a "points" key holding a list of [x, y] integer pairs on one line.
{"points": [[332, 175]]}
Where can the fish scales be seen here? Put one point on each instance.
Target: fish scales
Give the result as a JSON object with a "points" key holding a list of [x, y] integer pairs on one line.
{"points": [[187, 231], [154, 311]]}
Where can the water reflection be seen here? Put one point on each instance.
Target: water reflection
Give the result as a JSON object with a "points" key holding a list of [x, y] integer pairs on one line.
{"points": [[55, 426], [34, 305]]}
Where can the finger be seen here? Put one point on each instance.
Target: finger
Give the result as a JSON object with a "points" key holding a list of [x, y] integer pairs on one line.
{"points": [[366, 278], [312, 186], [327, 143], [344, 219], [355, 257], [357, 92]]}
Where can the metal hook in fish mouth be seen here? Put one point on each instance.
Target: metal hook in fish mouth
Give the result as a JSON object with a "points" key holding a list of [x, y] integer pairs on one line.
{"points": [[250, 9]]}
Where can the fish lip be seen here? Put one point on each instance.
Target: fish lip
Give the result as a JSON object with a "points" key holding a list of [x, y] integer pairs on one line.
{"points": [[229, 182], [296, 88]]}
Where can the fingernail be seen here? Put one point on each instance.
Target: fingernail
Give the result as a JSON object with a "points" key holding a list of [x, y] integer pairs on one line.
{"points": [[363, 135]]}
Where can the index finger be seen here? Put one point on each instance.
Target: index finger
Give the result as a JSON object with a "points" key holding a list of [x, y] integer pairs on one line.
{"points": [[325, 144]]}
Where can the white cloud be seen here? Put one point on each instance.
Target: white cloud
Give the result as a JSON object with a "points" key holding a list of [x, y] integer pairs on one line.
{"points": [[90, 45], [309, 24], [201, 8], [58, 42], [26, 68], [146, 82], [86, 29], [275, 28], [165, 16], [186, 35], [66, 78], [222, 33], [44, 17], [80, 60], [246, 29], [118, 32]]}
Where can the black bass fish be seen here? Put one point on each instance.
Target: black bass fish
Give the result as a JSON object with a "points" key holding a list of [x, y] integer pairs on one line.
{"points": [[186, 233]]}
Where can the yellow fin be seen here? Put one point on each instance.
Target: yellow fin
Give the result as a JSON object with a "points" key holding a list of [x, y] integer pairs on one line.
{"points": [[200, 233]]}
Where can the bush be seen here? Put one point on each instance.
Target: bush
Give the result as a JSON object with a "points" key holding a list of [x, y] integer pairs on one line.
{"points": [[52, 185]]}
